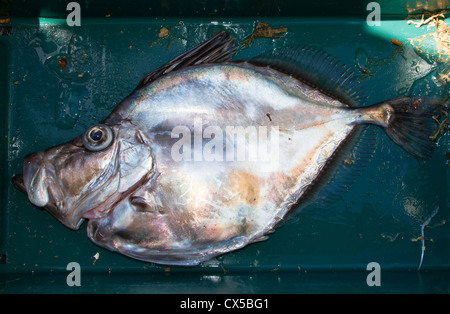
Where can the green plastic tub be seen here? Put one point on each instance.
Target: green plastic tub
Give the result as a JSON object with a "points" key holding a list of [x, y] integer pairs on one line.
{"points": [[394, 212]]}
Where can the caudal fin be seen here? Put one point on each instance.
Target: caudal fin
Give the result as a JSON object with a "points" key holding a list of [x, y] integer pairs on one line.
{"points": [[411, 128]]}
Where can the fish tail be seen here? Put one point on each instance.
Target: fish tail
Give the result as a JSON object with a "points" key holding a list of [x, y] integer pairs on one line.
{"points": [[406, 125]]}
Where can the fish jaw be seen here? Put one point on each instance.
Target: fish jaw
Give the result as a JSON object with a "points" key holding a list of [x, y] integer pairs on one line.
{"points": [[39, 180], [61, 178]]}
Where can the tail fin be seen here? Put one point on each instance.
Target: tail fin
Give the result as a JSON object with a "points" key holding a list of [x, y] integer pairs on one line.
{"points": [[411, 128]]}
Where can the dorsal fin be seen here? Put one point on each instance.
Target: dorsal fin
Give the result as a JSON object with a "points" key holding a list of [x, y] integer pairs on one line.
{"points": [[218, 48], [317, 69]]}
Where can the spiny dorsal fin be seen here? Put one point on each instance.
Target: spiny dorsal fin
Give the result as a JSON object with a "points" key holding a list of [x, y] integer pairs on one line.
{"points": [[317, 69], [219, 48]]}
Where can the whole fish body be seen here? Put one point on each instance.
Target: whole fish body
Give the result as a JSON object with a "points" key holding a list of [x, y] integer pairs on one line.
{"points": [[208, 155]]}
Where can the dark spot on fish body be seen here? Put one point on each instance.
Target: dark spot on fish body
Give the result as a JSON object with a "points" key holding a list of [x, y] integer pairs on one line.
{"points": [[138, 233], [125, 234], [248, 187], [252, 192]]}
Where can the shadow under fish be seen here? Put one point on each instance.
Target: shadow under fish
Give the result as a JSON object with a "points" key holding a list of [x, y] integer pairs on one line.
{"points": [[207, 154]]}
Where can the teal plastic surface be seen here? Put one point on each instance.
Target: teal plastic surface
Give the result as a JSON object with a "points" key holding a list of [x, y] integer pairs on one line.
{"points": [[380, 217]]}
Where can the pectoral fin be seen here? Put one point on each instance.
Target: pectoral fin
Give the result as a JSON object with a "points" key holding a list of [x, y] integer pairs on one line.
{"points": [[147, 202]]}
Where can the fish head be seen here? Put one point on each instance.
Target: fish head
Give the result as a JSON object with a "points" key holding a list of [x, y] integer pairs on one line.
{"points": [[86, 177]]}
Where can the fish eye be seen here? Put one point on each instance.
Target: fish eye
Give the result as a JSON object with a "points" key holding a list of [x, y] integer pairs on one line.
{"points": [[96, 134], [97, 137]]}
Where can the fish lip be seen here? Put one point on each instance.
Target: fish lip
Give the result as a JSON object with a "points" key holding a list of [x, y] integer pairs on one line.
{"points": [[18, 182], [40, 183]]}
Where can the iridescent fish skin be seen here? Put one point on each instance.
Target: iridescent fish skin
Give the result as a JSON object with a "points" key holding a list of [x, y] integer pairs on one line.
{"points": [[198, 209], [145, 202]]}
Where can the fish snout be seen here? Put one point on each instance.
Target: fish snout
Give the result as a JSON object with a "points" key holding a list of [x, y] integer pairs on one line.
{"points": [[42, 187], [36, 179]]}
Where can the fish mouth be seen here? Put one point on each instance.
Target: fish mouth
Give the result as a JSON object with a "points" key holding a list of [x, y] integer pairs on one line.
{"points": [[38, 180], [39, 184], [19, 183]]}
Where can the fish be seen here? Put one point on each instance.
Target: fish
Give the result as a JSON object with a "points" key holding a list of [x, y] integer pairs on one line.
{"points": [[209, 154]]}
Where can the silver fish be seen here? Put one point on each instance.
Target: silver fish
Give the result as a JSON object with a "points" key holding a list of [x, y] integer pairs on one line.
{"points": [[208, 155]]}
